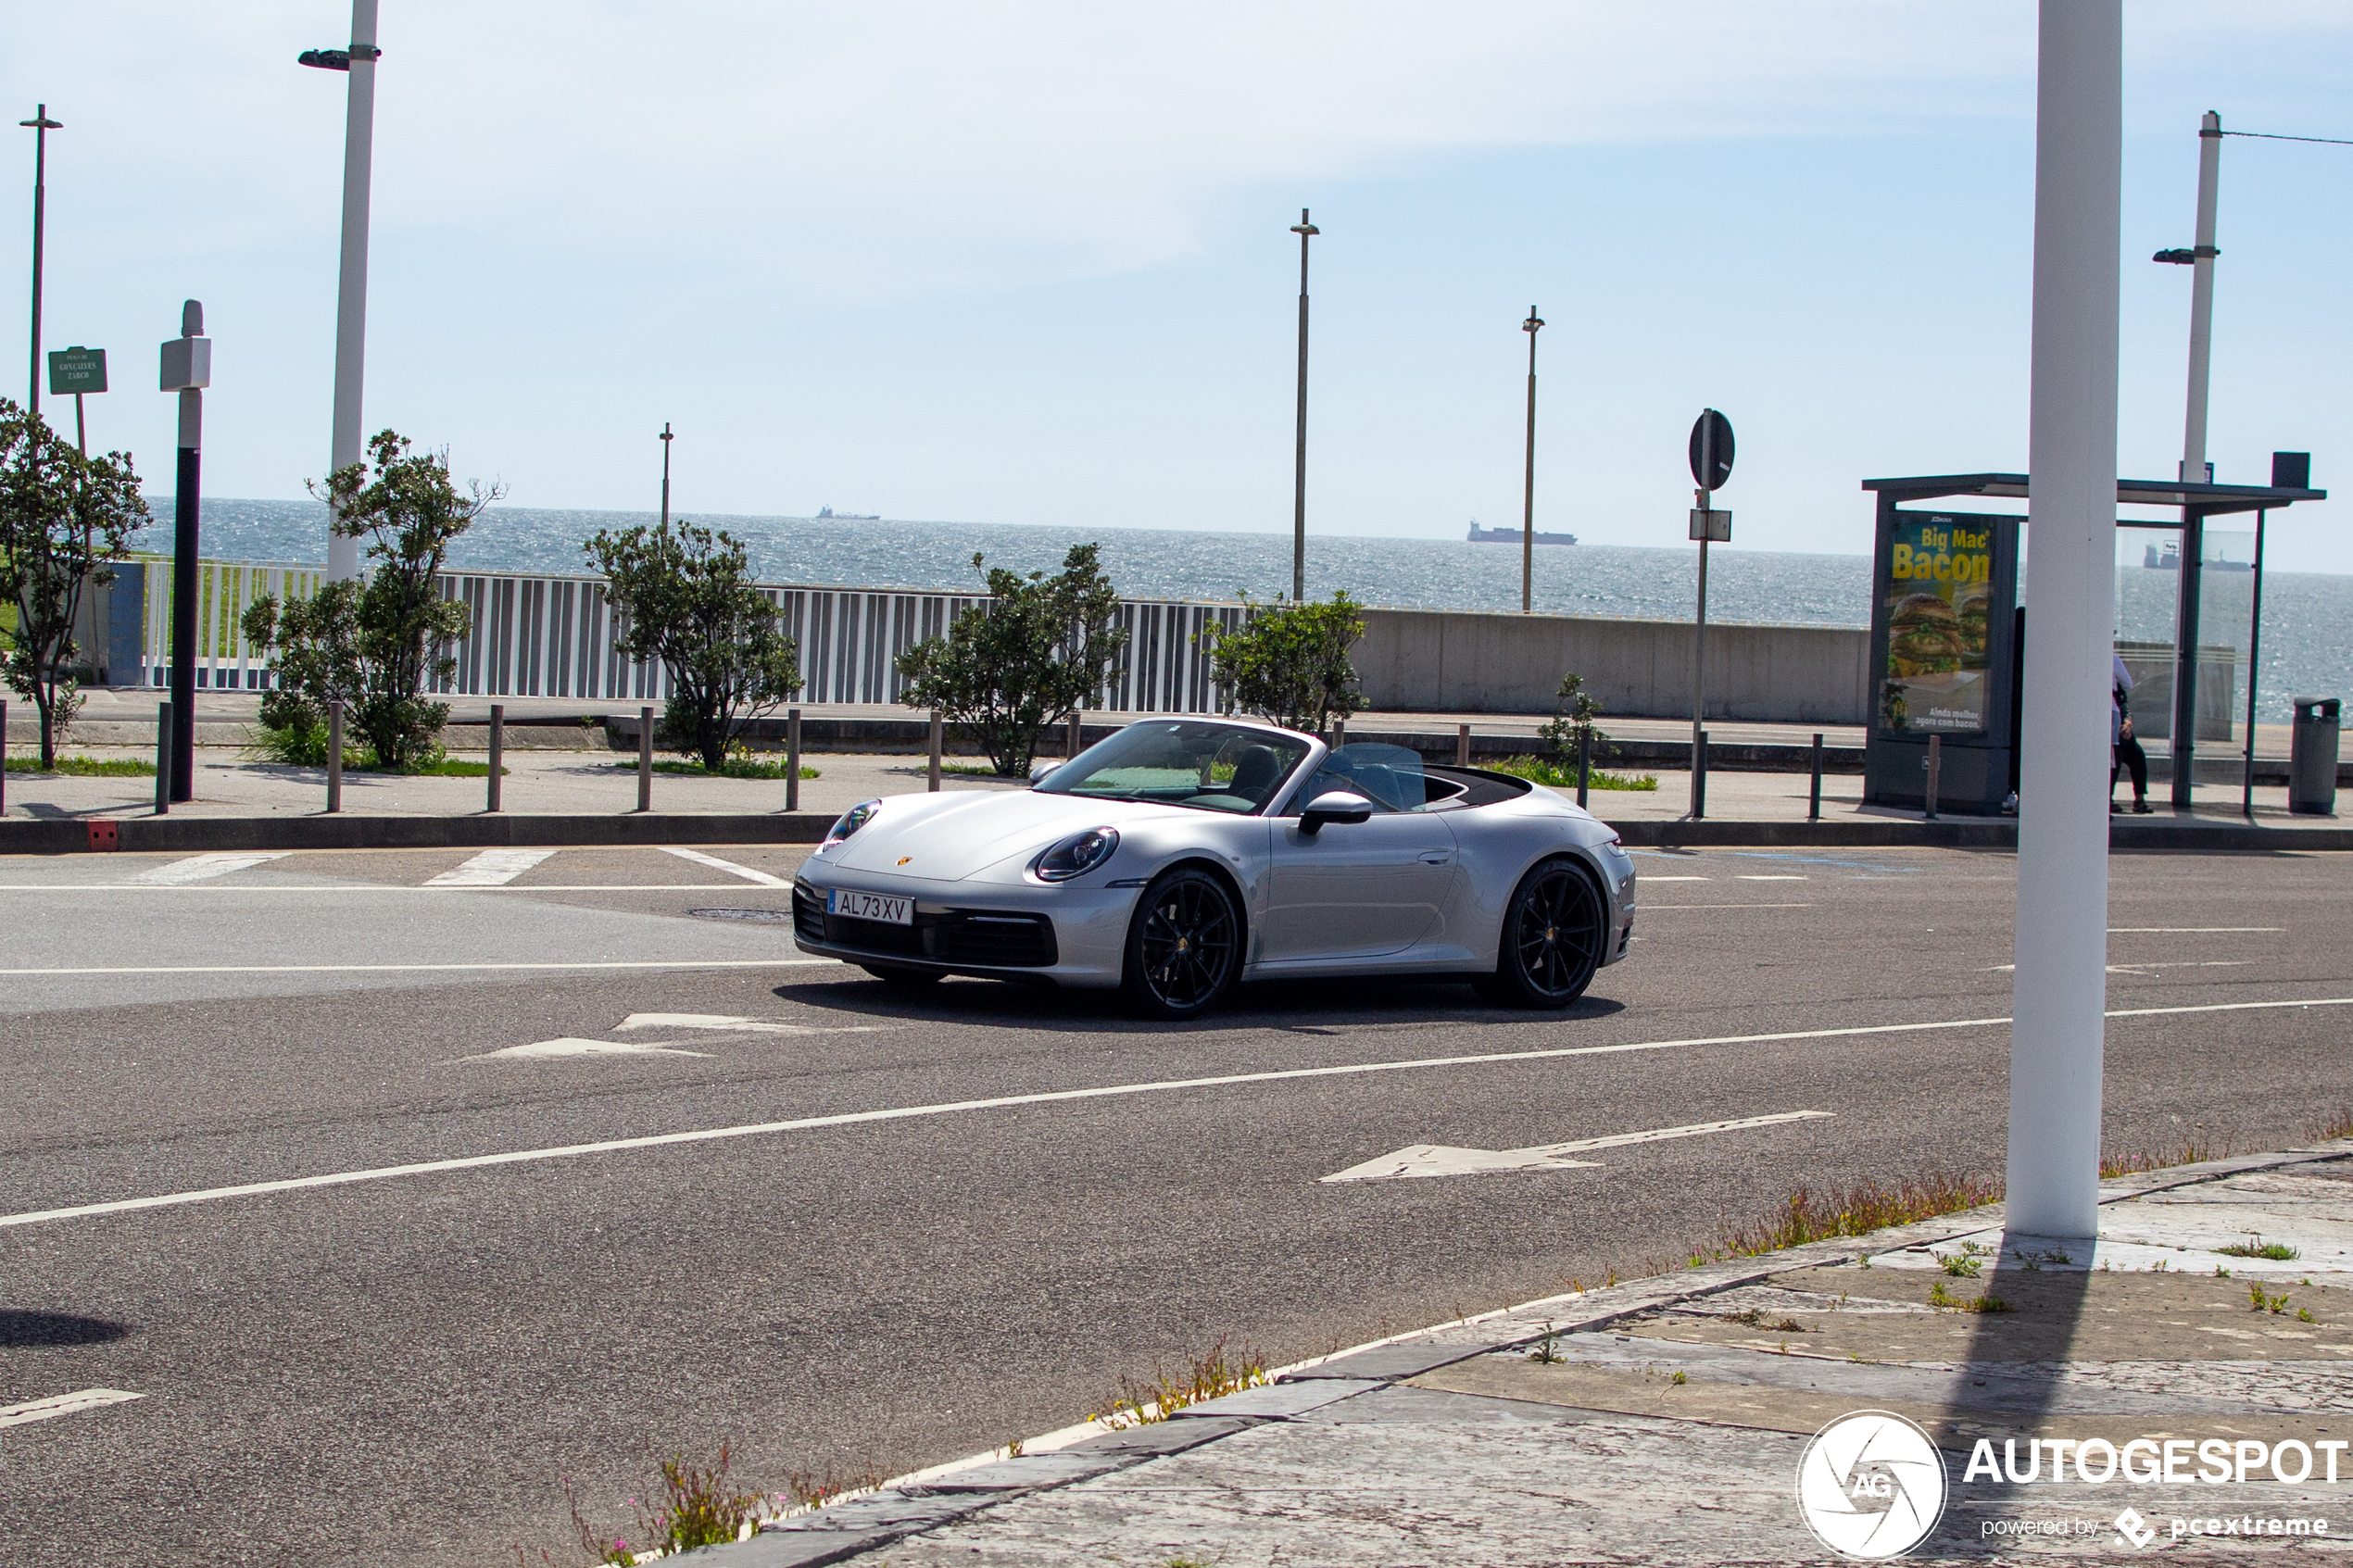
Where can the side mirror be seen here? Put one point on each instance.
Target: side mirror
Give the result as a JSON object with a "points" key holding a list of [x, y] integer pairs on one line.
{"points": [[1334, 806], [1039, 768]]}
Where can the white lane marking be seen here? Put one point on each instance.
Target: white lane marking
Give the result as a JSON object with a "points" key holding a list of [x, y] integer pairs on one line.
{"points": [[202, 868], [421, 968], [1767, 877], [1647, 880], [568, 1046], [1648, 908], [715, 863], [341, 888], [1437, 1159], [492, 868], [852, 1118], [745, 1026], [64, 1404], [2188, 930]]}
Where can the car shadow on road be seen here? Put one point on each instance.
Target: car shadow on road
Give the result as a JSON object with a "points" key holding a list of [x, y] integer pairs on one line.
{"points": [[24, 1328], [1303, 1006]]}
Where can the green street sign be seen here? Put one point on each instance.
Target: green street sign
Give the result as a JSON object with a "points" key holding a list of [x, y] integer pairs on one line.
{"points": [[77, 369]]}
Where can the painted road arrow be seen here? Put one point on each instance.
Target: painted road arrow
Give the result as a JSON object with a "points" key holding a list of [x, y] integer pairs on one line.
{"points": [[1437, 1159]]}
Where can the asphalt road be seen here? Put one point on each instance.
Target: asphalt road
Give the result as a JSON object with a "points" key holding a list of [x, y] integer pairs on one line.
{"points": [[405, 1369]]}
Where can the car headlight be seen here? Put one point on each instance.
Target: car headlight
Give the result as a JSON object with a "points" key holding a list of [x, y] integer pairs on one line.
{"points": [[1076, 855], [850, 821]]}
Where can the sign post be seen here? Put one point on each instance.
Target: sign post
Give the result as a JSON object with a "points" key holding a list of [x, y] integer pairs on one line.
{"points": [[187, 370], [1711, 455], [78, 371]]}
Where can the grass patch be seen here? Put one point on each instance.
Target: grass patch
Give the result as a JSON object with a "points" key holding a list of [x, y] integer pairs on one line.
{"points": [[1943, 1300], [1212, 1374], [1811, 1215], [85, 767], [1544, 771], [2277, 1251], [2194, 1149], [734, 768], [698, 1506]]}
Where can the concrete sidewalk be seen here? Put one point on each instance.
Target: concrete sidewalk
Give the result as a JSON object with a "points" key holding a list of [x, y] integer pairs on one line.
{"points": [[1665, 1421]]}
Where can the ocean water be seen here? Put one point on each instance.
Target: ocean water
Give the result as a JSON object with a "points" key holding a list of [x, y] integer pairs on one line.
{"points": [[2307, 618]]}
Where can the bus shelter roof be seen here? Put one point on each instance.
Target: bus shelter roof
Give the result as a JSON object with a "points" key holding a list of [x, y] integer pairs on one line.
{"points": [[2206, 500]]}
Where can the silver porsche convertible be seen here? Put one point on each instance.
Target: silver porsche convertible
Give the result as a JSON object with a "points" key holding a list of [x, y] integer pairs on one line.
{"points": [[1182, 855]]}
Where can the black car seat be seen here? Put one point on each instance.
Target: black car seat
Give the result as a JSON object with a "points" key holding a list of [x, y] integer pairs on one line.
{"points": [[1256, 771]]}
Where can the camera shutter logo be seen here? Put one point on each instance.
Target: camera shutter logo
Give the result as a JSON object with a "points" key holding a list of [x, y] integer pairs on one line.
{"points": [[1872, 1486]]}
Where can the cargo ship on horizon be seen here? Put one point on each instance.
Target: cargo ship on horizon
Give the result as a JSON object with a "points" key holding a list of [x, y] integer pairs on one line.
{"points": [[1511, 535]]}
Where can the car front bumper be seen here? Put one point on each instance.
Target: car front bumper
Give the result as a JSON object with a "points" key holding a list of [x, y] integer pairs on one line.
{"points": [[1070, 935]]}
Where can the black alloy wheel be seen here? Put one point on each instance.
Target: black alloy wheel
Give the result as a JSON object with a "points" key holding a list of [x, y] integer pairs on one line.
{"points": [[1553, 931], [894, 974], [1184, 946]]}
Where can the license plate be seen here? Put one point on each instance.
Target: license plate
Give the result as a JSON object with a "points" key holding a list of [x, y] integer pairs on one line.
{"points": [[869, 906]]}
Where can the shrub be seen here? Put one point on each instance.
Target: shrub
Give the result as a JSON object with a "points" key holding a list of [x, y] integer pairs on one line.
{"points": [[1288, 662], [379, 645], [689, 599], [63, 518], [1023, 661]]}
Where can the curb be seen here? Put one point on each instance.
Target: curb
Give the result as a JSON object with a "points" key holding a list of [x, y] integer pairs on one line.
{"points": [[186, 836], [481, 830], [925, 1500]]}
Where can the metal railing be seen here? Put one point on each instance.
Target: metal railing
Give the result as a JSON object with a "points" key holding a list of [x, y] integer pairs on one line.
{"points": [[556, 636]]}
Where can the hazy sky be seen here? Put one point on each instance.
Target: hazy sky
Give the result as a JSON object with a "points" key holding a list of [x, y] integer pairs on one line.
{"points": [[1030, 262]]}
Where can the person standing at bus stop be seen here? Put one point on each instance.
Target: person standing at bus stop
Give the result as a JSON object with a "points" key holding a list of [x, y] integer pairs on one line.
{"points": [[2125, 751]]}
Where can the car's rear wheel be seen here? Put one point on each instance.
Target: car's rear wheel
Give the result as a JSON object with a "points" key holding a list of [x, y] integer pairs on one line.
{"points": [[1183, 945], [1554, 930], [893, 974]]}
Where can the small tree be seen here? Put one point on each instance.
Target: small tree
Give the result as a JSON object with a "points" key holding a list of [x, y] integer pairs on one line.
{"points": [[1023, 661], [1288, 662], [63, 519], [1572, 725], [377, 647], [688, 594]]}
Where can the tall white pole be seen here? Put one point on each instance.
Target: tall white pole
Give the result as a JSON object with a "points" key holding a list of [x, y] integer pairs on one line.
{"points": [[2060, 989], [351, 297], [2209, 172]]}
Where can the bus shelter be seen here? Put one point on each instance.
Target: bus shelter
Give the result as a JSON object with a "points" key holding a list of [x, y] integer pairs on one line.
{"points": [[1948, 630]]}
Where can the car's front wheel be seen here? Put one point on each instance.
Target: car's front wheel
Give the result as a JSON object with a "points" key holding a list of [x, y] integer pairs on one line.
{"points": [[1553, 934], [1183, 945]]}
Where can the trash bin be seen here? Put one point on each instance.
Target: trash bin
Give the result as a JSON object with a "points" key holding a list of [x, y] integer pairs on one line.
{"points": [[2311, 766]]}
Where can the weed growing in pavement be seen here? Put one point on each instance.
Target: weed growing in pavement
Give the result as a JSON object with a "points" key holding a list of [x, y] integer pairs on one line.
{"points": [[1939, 1298], [2277, 1251], [2195, 1148], [2259, 1302], [2328, 1129], [1212, 1374], [1753, 1318], [1959, 1266], [2304, 1315], [2222, 1272], [698, 1506], [1811, 1215], [1679, 1380], [1547, 1351]]}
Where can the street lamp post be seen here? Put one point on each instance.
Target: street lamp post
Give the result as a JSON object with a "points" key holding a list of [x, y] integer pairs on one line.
{"points": [[665, 473], [1306, 232], [1528, 493], [41, 125], [351, 295], [2060, 982], [2195, 470]]}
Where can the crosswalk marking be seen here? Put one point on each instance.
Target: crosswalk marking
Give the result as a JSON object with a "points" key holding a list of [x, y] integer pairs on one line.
{"points": [[492, 868], [203, 868], [63, 1404], [715, 863]]}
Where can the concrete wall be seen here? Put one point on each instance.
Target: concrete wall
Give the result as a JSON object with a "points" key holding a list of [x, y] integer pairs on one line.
{"points": [[1455, 662]]}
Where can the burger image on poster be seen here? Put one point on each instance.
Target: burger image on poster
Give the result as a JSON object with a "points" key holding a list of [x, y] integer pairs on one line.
{"points": [[1925, 637], [1972, 614]]}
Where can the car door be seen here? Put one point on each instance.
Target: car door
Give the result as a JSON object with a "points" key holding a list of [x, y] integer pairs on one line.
{"points": [[1357, 889]]}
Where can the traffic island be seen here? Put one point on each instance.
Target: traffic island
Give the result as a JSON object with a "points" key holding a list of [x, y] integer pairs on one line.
{"points": [[1978, 1396]]}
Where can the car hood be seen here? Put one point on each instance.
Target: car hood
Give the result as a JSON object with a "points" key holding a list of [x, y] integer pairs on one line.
{"points": [[959, 834]]}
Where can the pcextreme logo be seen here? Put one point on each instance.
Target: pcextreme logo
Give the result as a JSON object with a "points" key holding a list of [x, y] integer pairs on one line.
{"points": [[1872, 1486]]}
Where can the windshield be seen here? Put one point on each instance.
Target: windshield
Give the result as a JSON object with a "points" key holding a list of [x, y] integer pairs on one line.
{"points": [[1182, 762], [1388, 776]]}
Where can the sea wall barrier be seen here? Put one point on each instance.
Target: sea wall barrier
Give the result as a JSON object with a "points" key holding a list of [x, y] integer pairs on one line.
{"points": [[555, 636]]}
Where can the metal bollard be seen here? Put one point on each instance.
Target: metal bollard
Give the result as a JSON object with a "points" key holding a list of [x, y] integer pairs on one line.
{"points": [[1076, 741], [792, 759], [1699, 778], [163, 759], [934, 785], [1340, 731], [1935, 766], [497, 748], [1584, 765], [1462, 746], [1814, 804], [4, 758], [334, 757], [645, 759]]}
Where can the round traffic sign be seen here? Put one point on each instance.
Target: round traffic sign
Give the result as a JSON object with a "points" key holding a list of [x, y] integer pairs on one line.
{"points": [[1711, 450]]}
